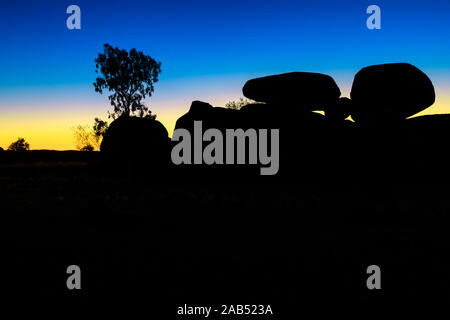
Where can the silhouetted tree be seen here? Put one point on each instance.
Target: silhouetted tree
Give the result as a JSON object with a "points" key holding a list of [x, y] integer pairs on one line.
{"points": [[19, 145], [99, 130], [236, 105], [89, 139], [130, 77]]}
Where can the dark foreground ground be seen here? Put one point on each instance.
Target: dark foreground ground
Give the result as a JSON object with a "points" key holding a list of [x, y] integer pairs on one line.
{"points": [[165, 243]]}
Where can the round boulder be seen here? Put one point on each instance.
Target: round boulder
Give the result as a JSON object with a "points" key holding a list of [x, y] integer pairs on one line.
{"points": [[310, 91], [390, 92], [136, 140]]}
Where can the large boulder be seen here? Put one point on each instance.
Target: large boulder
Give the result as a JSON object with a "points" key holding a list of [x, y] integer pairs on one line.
{"points": [[390, 92], [301, 137], [137, 141], [304, 90]]}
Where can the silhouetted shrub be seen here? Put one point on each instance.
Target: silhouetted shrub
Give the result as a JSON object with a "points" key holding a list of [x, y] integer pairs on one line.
{"points": [[19, 145], [87, 138], [238, 104], [84, 137], [87, 148]]}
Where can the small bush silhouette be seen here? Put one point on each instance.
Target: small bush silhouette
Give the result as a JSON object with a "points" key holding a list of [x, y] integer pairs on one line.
{"points": [[87, 148], [19, 145], [238, 104], [84, 137]]}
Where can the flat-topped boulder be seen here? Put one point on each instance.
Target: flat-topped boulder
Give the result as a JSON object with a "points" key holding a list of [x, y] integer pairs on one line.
{"points": [[310, 91], [390, 92]]}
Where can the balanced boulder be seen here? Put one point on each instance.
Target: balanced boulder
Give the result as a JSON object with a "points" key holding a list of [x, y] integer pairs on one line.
{"points": [[309, 91], [390, 92]]}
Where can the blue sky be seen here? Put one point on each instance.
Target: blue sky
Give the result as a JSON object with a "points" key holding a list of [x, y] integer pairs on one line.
{"points": [[194, 38]]}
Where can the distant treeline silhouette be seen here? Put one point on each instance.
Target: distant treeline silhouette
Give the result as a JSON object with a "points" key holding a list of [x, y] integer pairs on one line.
{"points": [[19, 145]]}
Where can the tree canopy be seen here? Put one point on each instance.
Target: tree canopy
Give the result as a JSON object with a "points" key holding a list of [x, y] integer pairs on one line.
{"points": [[130, 77]]}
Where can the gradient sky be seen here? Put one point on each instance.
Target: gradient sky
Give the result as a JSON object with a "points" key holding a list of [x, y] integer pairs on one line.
{"points": [[208, 50]]}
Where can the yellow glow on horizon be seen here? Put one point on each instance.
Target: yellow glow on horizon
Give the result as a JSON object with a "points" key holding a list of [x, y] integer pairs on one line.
{"points": [[42, 131], [52, 129], [442, 105]]}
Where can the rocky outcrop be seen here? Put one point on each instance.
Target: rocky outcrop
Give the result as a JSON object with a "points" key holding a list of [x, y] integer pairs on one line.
{"points": [[381, 142]]}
